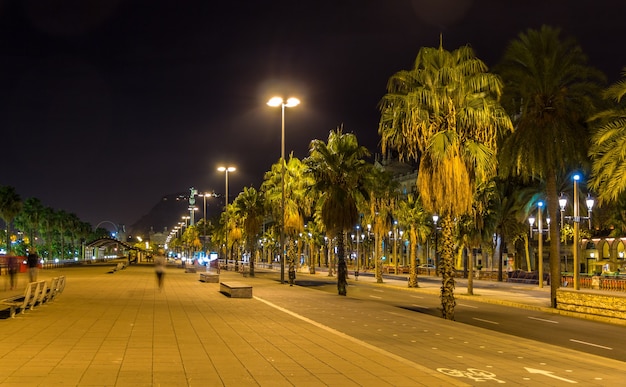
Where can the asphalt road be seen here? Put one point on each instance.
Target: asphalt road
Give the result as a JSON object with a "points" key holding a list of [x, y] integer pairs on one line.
{"points": [[487, 343], [592, 337]]}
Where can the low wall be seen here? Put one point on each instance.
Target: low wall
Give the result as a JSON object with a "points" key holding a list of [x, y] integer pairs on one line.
{"points": [[592, 303]]}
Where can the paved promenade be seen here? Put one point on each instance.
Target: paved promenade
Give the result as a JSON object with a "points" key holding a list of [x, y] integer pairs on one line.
{"points": [[121, 330]]}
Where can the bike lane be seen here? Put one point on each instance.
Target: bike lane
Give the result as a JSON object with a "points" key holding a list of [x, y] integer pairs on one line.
{"points": [[468, 354]]}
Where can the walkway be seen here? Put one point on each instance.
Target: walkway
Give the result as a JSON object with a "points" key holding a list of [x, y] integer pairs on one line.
{"points": [[120, 330]]}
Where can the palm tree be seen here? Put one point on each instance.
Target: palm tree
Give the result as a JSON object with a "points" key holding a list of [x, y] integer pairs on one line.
{"points": [[298, 201], [248, 206], [412, 216], [29, 218], [381, 203], [338, 171], [608, 169], [445, 113], [550, 89], [10, 207]]}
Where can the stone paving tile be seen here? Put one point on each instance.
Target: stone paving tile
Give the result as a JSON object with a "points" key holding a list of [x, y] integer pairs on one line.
{"points": [[120, 330]]}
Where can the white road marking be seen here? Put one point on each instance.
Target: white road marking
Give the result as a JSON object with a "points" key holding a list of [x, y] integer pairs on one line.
{"points": [[549, 374], [420, 306], [420, 297], [378, 290], [591, 344], [543, 319], [487, 321], [468, 306], [375, 297]]}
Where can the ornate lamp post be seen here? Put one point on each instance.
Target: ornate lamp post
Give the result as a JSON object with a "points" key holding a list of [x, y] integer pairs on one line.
{"points": [[275, 102], [531, 221], [576, 218]]}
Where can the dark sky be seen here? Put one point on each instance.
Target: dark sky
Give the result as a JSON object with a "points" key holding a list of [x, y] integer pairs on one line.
{"points": [[108, 105]]}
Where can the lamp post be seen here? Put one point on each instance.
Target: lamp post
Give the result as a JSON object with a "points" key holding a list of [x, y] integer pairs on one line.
{"points": [[531, 221], [435, 220], [358, 227], [204, 196], [576, 219], [226, 171], [275, 102]]}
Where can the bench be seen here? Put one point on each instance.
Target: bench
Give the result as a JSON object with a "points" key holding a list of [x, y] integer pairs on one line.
{"points": [[210, 277], [35, 294], [20, 303], [57, 284], [190, 269], [236, 289], [118, 267]]}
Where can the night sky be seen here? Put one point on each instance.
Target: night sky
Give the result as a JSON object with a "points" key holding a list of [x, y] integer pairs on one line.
{"points": [[108, 105]]}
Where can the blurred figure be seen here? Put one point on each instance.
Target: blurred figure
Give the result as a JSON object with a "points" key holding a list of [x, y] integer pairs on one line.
{"points": [[159, 269], [32, 260], [13, 267]]}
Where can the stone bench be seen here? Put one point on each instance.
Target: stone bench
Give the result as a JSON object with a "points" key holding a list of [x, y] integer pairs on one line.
{"points": [[210, 277], [236, 289], [190, 269]]}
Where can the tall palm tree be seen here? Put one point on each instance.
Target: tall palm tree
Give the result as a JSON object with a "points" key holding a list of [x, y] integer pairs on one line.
{"points": [[445, 113], [248, 206], [298, 200], [608, 169], [551, 91], [10, 207], [338, 171], [412, 216]]}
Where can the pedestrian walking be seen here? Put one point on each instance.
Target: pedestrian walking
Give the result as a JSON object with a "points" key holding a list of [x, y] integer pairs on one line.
{"points": [[159, 269], [32, 260], [13, 268]]}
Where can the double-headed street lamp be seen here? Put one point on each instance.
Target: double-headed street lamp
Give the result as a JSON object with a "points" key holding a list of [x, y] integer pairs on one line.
{"points": [[435, 220], [576, 218], [540, 229], [275, 102], [226, 171]]}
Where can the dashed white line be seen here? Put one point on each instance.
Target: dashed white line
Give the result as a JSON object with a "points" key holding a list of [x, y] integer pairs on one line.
{"points": [[487, 321], [468, 306], [543, 319], [375, 297], [591, 344]]}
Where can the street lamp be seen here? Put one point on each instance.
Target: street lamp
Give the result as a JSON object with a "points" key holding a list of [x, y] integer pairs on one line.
{"points": [[531, 221], [226, 170], [576, 218], [204, 196], [435, 220], [358, 227], [395, 246], [275, 102]]}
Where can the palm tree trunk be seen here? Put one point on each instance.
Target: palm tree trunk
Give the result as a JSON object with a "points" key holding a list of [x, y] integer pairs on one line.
{"points": [[342, 269], [447, 268], [330, 257], [312, 258]]}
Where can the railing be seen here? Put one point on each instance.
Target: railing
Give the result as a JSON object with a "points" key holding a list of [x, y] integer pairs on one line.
{"points": [[603, 282]]}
